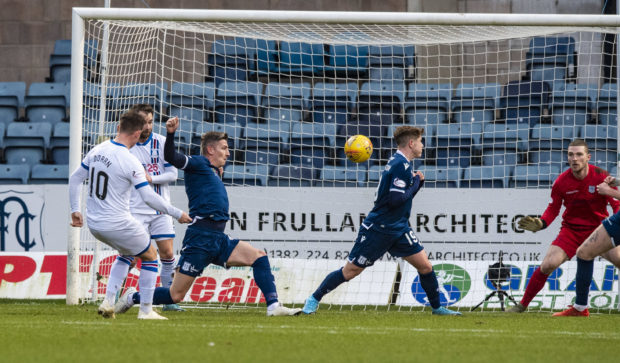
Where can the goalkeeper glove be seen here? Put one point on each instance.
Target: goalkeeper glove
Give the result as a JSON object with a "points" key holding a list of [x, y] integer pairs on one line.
{"points": [[533, 224]]}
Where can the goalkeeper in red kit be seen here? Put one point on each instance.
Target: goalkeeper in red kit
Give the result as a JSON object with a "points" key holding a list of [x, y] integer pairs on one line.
{"points": [[585, 209]]}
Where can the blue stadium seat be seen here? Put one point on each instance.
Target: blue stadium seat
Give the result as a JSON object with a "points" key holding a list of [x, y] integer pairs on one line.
{"points": [[607, 105], [292, 176], [266, 56], [234, 130], [391, 62], [505, 137], [549, 157], [374, 175], [300, 57], [502, 158], [535, 176], [613, 171], [60, 60], [47, 102], [148, 93], [14, 173], [348, 59], [192, 101], [486, 176], [265, 142], [286, 101], [333, 102], [551, 137], [238, 102], [343, 176], [603, 158], [311, 143], [573, 104], [49, 174], [524, 101], [455, 143], [231, 60], [475, 102], [251, 175], [26, 143], [59, 143], [381, 103], [11, 100], [440, 177], [599, 136], [92, 102], [428, 105], [551, 58]]}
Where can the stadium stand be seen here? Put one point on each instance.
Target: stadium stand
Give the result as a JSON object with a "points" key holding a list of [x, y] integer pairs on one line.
{"points": [[47, 102], [14, 173], [534, 176], [230, 60], [249, 175], [12, 96], [347, 59], [333, 102], [606, 105], [487, 176], [475, 102], [59, 143], [524, 101], [49, 174], [299, 58], [26, 143], [573, 104], [238, 102], [339, 176], [292, 176], [191, 101], [390, 62]]}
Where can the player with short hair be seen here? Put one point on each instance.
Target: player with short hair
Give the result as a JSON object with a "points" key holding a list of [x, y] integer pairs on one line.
{"points": [[112, 172], [205, 241], [585, 209], [149, 150], [604, 241], [386, 229]]}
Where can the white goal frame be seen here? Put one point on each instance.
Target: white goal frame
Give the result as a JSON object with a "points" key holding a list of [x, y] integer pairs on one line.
{"points": [[81, 14]]}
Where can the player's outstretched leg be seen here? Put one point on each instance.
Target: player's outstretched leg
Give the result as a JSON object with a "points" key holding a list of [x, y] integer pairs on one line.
{"points": [[431, 287], [118, 273], [331, 281], [148, 277]]}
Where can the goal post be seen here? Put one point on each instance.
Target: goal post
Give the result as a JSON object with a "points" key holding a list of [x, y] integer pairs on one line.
{"points": [[499, 96]]}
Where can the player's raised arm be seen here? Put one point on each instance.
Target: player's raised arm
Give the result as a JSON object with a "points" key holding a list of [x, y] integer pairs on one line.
{"points": [[170, 154]]}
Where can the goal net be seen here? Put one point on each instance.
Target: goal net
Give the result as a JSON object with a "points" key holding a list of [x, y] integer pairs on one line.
{"points": [[499, 105]]}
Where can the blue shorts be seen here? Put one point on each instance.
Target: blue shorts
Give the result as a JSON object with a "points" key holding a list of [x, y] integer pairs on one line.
{"points": [[370, 245], [202, 247], [612, 226]]}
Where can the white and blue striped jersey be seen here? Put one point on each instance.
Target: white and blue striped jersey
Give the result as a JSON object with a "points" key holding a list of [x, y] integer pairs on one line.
{"points": [[151, 155], [113, 174]]}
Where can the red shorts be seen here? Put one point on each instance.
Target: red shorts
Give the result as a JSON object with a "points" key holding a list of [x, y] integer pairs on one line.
{"points": [[569, 240]]}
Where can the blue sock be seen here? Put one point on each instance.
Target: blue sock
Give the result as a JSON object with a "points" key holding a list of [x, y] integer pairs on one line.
{"points": [[584, 279], [264, 279], [332, 281], [431, 287], [161, 296]]}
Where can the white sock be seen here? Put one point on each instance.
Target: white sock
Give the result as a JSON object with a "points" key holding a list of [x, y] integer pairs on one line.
{"points": [[118, 273], [167, 271], [148, 279], [580, 307], [273, 306]]}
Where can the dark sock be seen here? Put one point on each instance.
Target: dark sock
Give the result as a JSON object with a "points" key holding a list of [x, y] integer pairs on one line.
{"points": [[331, 281], [431, 287], [584, 279], [264, 279], [161, 296]]}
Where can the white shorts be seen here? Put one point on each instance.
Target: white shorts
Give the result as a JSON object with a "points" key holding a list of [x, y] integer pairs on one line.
{"points": [[129, 239], [160, 226]]}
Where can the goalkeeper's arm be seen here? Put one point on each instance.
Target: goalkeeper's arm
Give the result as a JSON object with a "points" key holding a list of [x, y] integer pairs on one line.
{"points": [[533, 224]]}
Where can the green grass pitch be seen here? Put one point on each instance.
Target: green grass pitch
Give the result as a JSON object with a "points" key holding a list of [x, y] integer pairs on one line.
{"points": [[50, 331]]}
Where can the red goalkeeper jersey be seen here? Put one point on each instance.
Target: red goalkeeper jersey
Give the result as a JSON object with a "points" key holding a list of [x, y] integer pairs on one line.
{"points": [[585, 208]]}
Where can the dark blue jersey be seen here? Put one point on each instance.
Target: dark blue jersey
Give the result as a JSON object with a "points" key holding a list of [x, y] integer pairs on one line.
{"points": [[205, 190], [394, 195]]}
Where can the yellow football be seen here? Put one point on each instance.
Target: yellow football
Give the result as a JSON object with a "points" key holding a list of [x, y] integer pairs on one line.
{"points": [[358, 148]]}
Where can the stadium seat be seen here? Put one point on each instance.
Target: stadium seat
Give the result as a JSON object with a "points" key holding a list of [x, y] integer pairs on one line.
{"points": [[374, 175], [350, 60], [505, 137], [286, 101], [607, 105], [311, 143], [428, 105], [391, 63], [14, 173], [250, 175], [555, 53], [333, 102], [456, 143], [266, 56], [92, 102], [11, 100], [264, 143], [573, 104], [95, 133], [440, 177], [234, 130], [192, 101], [49, 174], [150, 93], [292, 176], [26, 143], [603, 158], [551, 137], [475, 102], [230, 60], [381, 103], [599, 136], [60, 60], [486, 176], [557, 158], [343, 176], [524, 101], [500, 157], [238, 102], [300, 58], [534, 176], [47, 102], [59, 143]]}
